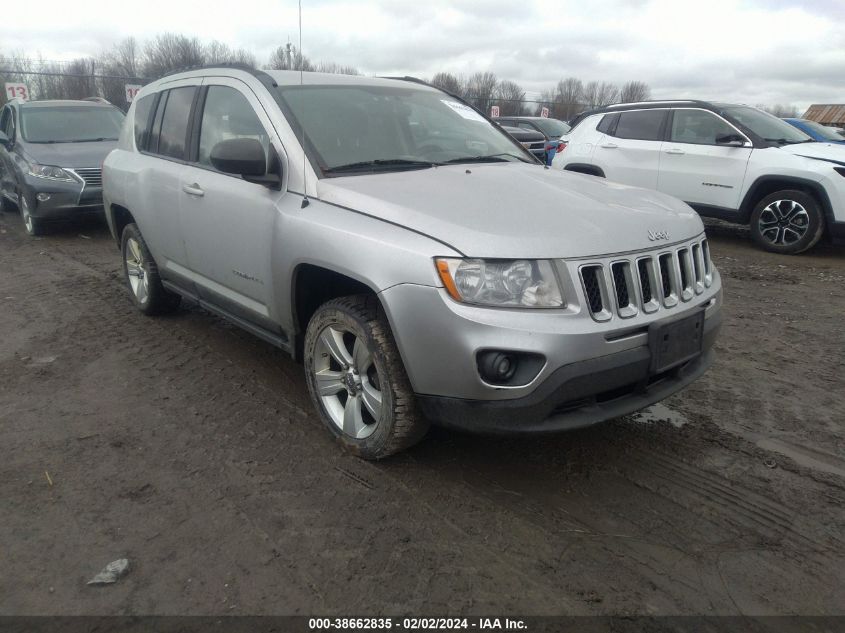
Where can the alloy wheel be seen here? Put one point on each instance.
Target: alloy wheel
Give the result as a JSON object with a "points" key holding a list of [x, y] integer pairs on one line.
{"points": [[26, 215], [347, 381], [783, 222], [136, 271]]}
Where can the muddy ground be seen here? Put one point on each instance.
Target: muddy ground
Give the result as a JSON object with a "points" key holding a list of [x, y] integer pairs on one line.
{"points": [[191, 448]]}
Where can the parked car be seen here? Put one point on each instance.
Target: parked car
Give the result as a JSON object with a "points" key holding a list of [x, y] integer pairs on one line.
{"points": [[551, 129], [435, 276], [817, 131], [727, 161], [533, 141], [51, 156]]}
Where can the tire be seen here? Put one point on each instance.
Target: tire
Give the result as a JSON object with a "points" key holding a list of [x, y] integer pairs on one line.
{"points": [[33, 226], [353, 332], [787, 222], [141, 275]]}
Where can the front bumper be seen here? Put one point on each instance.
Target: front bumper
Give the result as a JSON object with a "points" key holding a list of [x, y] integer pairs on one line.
{"points": [[576, 395], [66, 199], [587, 366]]}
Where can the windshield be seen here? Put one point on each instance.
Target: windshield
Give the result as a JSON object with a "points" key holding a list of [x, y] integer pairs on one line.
{"points": [[824, 132], [70, 124], [766, 125], [552, 127], [381, 128]]}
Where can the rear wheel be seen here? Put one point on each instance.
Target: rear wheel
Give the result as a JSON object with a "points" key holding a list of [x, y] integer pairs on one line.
{"points": [[787, 222], [141, 274], [357, 380]]}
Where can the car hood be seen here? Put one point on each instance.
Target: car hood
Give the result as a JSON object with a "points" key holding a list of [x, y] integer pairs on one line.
{"points": [[825, 151], [516, 210], [70, 154]]}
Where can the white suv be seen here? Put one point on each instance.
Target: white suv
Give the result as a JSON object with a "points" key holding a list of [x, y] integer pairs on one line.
{"points": [[732, 162]]}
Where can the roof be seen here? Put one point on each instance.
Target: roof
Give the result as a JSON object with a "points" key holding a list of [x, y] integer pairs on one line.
{"points": [[286, 77], [825, 113], [294, 78], [527, 118], [63, 103]]}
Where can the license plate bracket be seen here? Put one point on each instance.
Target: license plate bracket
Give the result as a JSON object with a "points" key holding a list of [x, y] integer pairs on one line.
{"points": [[676, 342]]}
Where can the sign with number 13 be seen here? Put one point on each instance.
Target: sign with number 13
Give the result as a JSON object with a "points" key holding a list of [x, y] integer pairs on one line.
{"points": [[17, 91]]}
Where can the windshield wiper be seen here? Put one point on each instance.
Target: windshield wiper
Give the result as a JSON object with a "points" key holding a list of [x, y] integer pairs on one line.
{"points": [[783, 141], [395, 163], [490, 158]]}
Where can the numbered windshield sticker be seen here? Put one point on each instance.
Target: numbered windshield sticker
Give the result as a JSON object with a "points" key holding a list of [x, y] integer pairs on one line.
{"points": [[464, 110]]}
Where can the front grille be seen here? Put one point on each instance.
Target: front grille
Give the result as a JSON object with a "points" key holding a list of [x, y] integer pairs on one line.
{"points": [[647, 281], [93, 176], [620, 284], [591, 275], [666, 273]]}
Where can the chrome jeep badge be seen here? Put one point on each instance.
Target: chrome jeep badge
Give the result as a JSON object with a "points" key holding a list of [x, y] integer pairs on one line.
{"points": [[655, 236]]}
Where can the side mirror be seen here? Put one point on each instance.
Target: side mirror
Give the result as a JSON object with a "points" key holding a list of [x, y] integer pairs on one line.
{"points": [[5, 141], [241, 156], [730, 140], [245, 157]]}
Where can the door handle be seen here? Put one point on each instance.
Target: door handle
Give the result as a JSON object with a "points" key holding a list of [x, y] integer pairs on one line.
{"points": [[193, 190], [675, 150], [609, 145]]}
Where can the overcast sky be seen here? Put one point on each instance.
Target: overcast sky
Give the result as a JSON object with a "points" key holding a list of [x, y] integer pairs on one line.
{"points": [[752, 51]]}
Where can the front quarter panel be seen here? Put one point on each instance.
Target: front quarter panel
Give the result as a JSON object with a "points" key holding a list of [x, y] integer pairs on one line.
{"points": [[377, 253]]}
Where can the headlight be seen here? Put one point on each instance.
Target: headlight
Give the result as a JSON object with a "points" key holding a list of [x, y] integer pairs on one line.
{"points": [[519, 283], [49, 171]]}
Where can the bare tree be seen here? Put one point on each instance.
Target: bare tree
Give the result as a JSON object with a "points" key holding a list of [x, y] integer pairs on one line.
{"points": [[509, 97], [118, 67], [168, 52], [480, 89], [634, 91], [288, 58], [220, 53], [780, 110], [449, 83], [598, 94], [337, 69], [568, 97]]}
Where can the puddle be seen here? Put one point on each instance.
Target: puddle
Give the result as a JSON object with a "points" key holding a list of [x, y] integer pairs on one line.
{"points": [[660, 413]]}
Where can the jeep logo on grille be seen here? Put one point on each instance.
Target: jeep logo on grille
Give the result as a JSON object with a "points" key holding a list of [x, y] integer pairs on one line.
{"points": [[655, 236]]}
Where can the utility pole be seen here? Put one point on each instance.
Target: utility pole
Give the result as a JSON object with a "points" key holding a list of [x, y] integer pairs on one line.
{"points": [[289, 52]]}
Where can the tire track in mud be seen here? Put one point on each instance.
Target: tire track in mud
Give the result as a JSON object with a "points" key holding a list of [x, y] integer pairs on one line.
{"points": [[606, 520]]}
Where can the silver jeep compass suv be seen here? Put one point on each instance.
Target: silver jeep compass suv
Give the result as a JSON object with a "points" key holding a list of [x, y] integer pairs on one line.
{"points": [[421, 263]]}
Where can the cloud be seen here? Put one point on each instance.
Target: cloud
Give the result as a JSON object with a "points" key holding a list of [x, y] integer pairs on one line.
{"points": [[753, 51]]}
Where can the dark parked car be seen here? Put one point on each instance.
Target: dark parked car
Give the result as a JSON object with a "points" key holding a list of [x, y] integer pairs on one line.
{"points": [[51, 156], [551, 129], [817, 131], [533, 141]]}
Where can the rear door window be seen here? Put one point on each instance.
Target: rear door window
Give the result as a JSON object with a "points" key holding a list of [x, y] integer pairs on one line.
{"points": [[173, 137], [643, 125], [143, 120]]}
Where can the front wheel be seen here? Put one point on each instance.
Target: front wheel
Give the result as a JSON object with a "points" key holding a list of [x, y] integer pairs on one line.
{"points": [[141, 274], [33, 226], [787, 222], [357, 380]]}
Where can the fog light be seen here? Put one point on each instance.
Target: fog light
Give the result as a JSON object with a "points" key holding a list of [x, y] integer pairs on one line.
{"points": [[43, 197], [497, 367]]}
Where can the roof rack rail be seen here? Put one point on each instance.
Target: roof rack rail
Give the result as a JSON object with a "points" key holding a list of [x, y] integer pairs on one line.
{"points": [[255, 72]]}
